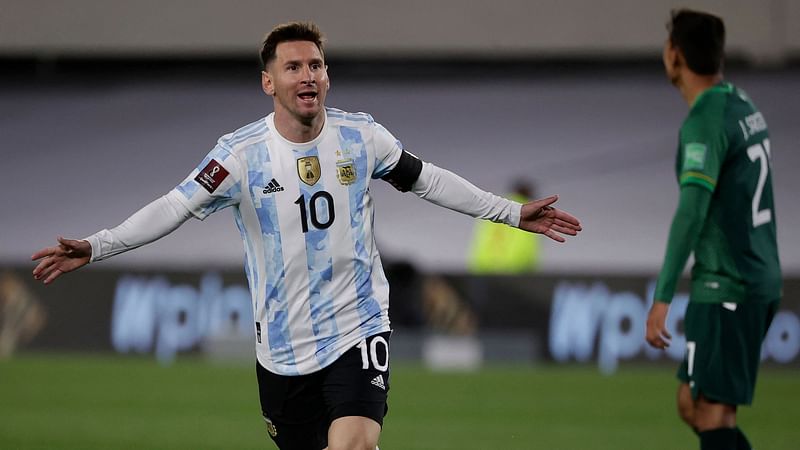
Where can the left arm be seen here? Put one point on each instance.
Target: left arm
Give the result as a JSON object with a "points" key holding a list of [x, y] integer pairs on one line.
{"points": [[444, 188]]}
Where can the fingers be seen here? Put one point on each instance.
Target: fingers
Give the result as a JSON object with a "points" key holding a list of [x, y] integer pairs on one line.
{"points": [[568, 219], [52, 276], [46, 269], [541, 203], [660, 342], [51, 256], [554, 236], [44, 265], [47, 251], [68, 245], [68, 255], [656, 342], [658, 337], [564, 230]]}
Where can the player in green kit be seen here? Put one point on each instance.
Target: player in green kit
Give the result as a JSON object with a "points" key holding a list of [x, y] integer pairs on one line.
{"points": [[726, 217]]}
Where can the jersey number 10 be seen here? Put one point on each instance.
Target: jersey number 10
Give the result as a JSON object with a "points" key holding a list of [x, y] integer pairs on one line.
{"points": [[311, 211], [760, 153]]}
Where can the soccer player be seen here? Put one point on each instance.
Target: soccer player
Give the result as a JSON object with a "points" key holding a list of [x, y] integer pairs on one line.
{"points": [[298, 183], [726, 216]]}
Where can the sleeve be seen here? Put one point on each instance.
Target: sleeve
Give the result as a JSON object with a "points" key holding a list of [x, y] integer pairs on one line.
{"points": [[214, 185], [387, 151], [683, 236], [154, 221], [444, 188], [441, 187], [702, 151]]}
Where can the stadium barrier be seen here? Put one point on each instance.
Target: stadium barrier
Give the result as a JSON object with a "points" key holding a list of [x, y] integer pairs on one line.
{"points": [[447, 321]]}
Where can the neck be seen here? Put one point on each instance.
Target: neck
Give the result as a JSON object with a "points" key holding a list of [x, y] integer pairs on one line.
{"points": [[692, 85], [296, 129]]}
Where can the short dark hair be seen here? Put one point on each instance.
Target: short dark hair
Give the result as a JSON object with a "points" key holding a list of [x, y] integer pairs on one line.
{"points": [[700, 37], [287, 32]]}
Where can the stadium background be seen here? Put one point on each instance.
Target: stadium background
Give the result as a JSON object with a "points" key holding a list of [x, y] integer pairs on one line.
{"points": [[106, 105]]}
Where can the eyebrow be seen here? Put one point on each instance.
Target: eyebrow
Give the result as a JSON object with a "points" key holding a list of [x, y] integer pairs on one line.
{"points": [[297, 62]]}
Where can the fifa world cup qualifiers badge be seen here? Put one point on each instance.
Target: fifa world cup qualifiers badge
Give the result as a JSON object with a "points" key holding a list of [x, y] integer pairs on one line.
{"points": [[211, 176]]}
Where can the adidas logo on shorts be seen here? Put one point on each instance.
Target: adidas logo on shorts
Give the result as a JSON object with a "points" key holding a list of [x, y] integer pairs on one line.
{"points": [[378, 381], [272, 187]]}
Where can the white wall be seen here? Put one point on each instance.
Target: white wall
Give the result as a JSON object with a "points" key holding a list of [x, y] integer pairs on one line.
{"points": [[763, 31]]}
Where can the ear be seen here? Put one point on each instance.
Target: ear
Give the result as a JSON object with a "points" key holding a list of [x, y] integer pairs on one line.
{"points": [[266, 83], [673, 59], [668, 55]]}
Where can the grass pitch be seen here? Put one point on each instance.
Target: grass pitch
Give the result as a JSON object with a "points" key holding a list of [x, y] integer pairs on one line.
{"points": [[112, 402]]}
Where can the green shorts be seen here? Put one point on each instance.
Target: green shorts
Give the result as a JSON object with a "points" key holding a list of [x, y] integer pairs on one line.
{"points": [[723, 349]]}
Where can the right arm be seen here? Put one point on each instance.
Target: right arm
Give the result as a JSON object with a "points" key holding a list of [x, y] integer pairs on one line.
{"points": [[154, 221], [683, 236], [702, 151]]}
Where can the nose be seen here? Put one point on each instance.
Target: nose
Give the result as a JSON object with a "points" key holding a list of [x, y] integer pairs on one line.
{"points": [[308, 75]]}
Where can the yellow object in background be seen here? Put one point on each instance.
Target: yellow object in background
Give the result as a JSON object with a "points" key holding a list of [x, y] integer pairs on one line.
{"points": [[500, 249]]}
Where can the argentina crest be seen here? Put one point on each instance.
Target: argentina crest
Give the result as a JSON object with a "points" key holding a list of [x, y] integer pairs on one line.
{"points": [[346, 171], [308, 169]]}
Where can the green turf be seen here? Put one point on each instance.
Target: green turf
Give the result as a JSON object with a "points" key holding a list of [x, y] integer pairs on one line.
{"points": [[83, 402]]}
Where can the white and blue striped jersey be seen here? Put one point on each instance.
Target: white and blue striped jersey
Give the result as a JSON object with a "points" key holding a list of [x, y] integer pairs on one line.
{"points": [[306, 219]]}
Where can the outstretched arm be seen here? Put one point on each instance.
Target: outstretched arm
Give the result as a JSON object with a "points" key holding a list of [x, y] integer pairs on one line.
{"points": [[152, 222], [447, 189]]}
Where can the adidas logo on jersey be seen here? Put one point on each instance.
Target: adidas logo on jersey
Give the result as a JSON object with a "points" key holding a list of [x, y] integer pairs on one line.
{"points": [[272, 187], [378, 381]]}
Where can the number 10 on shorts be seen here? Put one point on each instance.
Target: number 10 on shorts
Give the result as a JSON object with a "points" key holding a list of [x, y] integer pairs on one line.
{"points": [[369, 353]]}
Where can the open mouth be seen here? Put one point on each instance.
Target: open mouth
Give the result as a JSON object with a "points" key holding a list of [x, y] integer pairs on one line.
{"points": [[307, 96]]}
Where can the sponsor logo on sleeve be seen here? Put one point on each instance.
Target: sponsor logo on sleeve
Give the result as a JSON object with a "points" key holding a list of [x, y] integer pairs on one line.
{"points": [[694, 156], [211, 176]]}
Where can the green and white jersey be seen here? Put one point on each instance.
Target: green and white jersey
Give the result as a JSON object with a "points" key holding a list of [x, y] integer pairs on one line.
{"points": [[725, 148]]}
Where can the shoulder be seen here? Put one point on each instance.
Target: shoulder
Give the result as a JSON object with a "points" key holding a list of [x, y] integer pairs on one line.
{"points": [[337, 117], [712, 103], [244, 136], [707, 115]]}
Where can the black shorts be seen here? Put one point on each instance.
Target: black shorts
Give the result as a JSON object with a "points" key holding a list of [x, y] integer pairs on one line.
{"points": [[298, 410]]}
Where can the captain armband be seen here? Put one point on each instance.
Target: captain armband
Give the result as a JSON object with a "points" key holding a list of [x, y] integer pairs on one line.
{"points": [[405, 172]]}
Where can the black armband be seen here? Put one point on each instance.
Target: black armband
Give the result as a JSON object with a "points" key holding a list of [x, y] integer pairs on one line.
{"points": [[405, 172]]}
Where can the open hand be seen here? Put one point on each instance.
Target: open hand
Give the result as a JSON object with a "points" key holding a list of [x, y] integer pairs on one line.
{"points": [[68, 255], [538, 216]]}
